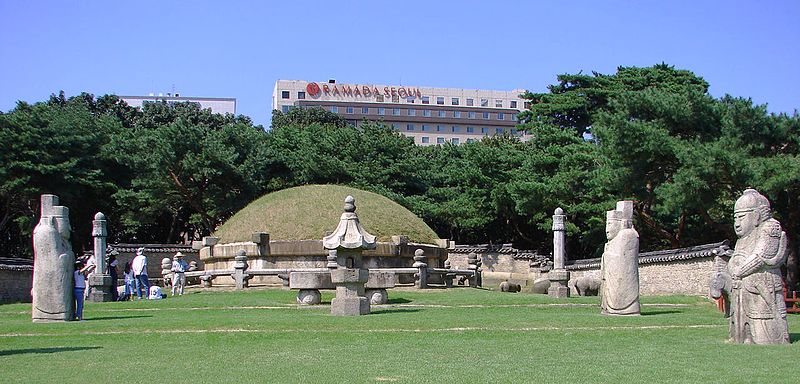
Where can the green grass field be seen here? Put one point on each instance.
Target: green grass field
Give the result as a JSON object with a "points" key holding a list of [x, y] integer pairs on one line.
{"points": [[460, 335]]}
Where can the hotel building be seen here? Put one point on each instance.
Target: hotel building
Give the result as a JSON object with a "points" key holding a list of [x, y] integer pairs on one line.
{"points": [[429, 115], [221, 105]]}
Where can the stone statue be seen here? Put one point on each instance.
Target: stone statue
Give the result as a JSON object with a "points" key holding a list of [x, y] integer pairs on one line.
{"points": [[619, 267], [53, 264], [751, 277]]}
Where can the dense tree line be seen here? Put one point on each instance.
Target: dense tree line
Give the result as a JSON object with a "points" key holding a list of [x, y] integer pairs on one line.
{"points": [[168, 172]]}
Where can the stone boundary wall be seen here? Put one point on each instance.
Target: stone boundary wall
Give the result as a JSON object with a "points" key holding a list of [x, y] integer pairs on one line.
{"points": [[16, 280], [684, 271]]}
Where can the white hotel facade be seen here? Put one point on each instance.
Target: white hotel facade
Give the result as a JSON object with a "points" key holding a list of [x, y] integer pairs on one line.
{"points": [[429, 115]]}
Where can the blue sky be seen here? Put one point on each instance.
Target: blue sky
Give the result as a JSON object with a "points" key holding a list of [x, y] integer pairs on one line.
{"points": [[240, 48]]}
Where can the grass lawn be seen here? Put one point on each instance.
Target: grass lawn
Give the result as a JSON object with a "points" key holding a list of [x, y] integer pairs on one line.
{"points": [[460, 335]]}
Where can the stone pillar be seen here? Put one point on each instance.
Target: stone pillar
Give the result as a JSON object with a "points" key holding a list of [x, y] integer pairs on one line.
{"points": [[559, 276], [419, 263], [100, 280], [240, 269], [472, 260], [349, 240], [331, 259], [448, 278]]}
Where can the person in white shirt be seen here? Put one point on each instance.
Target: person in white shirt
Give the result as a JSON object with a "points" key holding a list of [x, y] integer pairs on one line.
{"points": [[79, 277], [139, 266], [179, 268]]}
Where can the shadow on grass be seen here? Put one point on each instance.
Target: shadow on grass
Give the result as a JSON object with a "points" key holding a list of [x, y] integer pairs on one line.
{"points": [[116, 317], [656, 313], [10, 352], [398, 301], [396, 310], [794, 338]]}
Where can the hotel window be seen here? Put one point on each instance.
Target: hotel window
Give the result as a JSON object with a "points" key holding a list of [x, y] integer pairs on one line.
{"points": [[334, 109], [457, 114], [349, 110], [365, 110], [426, 100], [527, 105], [513, 117], [440, 140], [513, 103], [301, 95], [381, 111], [284, 94], [396, 111], [425, 128], [442, 113], [501, 116], [484, 102], [470, 141], [395, 99], [456, 129], [438, 128], [379, 98], [513, 131], [440, 100], [470, 102], [472, 115], [426, 139], [412, 112], [455, 141], [454, 101], [426, 112], [285, 108], [485, 130], [470, 130], [395, 126], [409, 127], [410, 99], [498, 103], [498, 131], [486, 115]]}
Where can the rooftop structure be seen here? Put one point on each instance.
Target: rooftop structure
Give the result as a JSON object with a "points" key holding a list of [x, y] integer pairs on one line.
{"points": [[221, 105], [429, 115]]}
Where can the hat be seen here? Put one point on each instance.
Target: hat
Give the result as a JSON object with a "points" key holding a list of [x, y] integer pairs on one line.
{"points": [[179, 254]]}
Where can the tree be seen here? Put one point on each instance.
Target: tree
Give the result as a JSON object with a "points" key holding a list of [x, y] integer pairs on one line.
{"points": [[192, 169], [55, 147]]}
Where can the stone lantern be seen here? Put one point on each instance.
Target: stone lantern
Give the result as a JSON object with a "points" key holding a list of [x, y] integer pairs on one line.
{"points": [[349, 240]]}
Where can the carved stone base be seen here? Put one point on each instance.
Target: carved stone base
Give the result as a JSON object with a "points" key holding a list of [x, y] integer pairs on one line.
{"points": [[349, 306], [101, 288], [558, 284], [308, 297]]}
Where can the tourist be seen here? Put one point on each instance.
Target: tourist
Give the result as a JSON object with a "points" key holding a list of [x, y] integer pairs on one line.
{"points": [[80, 274], [179, 268], [139, 266], [127, 275], [112, 270]]}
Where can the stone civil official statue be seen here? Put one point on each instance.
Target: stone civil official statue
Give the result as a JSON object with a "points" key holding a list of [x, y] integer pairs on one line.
{"points": [[619, 267], [758, 311]]}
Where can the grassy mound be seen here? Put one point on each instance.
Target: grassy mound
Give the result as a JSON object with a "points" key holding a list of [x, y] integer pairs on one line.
{"points": [[307, 212]]}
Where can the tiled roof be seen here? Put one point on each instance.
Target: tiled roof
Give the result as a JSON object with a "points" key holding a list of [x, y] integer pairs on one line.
{"points": [[695, 252], [154, 248], [698, 251], [13, 264]]}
